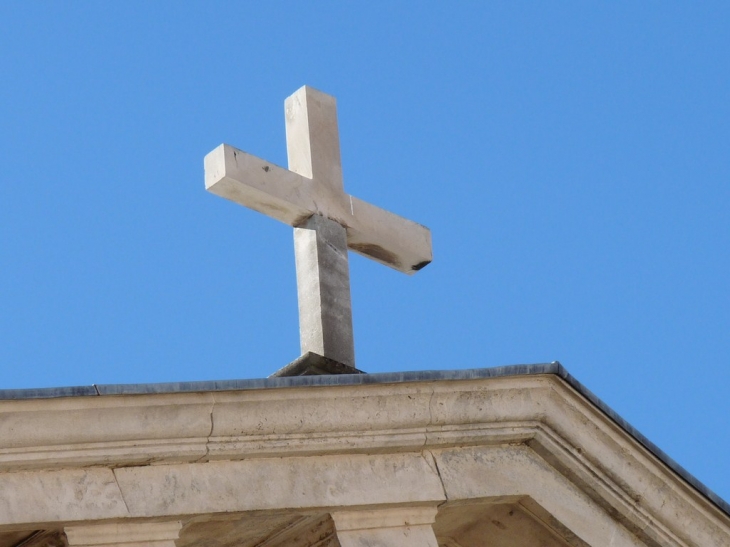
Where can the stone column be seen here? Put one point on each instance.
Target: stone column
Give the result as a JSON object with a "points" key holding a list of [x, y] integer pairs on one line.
{"points": [[128, 534], [400, 526]]}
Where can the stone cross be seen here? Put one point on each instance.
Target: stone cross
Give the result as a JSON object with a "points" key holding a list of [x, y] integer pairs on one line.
{"points": [[310, 196]]}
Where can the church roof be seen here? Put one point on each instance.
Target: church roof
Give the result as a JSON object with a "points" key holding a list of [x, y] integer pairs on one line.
{"points": [[554, 368]]}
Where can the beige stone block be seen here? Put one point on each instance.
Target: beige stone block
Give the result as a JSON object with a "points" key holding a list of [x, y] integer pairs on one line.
{"points": [[279, 483], [59, 496], [317, 410], [100, 430]]}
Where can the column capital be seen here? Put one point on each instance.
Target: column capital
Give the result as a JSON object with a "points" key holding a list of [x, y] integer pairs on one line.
{"points": [[384, 518], [124, 534], [396, 526]]}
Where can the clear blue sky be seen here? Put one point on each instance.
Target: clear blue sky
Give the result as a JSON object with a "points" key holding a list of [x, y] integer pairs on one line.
{"points": [[571, 159]]}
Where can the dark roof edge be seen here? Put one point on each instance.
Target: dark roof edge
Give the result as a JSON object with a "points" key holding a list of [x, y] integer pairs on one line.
{"points": [[376, 378], [642, 440]]}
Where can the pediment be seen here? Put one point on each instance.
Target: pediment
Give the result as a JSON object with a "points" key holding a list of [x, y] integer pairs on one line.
{"points": [[509, 460]]}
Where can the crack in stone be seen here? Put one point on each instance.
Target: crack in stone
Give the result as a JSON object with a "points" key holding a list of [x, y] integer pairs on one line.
{"points": [[430, 421], [430, 406], [121, 492], [435, 467], [204, 457], [433, 461]]}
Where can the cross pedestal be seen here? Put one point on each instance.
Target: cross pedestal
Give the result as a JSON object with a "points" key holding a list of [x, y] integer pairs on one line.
{"points": [[310, 196]]}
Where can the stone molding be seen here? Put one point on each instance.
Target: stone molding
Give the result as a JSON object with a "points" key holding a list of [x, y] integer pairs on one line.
{"points": [[51, 473]]}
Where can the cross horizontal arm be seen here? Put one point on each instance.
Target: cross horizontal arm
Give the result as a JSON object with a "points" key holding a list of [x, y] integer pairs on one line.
{"points": [[259, 185], [287, 196], [388, 238]]}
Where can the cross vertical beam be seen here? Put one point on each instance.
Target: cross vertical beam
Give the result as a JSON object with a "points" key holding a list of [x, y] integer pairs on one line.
{"points": [[313, 139], [320, 244], [323, 286]]}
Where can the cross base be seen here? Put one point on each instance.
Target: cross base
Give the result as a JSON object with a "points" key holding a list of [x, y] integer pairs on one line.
{"points": [[313, 364]]}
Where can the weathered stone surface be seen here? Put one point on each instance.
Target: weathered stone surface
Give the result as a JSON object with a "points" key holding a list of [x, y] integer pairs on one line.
{"points": [[94, 430], [59, 496], [279, 483]]}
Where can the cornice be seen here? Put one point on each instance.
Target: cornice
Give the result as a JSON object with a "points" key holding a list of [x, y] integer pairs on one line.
{"points": [[543, 412]]}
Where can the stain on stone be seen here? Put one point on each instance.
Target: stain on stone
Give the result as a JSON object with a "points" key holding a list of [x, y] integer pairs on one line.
{"points": [[39, 538], [377, 252], [420, 265], [271, 209], [334, 248], [298, 222], [266, 168], [499, 525]]}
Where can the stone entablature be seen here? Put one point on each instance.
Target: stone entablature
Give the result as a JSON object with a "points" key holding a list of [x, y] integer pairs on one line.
{"points": [[506, 457]]}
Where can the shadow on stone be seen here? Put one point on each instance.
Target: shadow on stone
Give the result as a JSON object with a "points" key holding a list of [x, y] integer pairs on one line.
{"points": [[313, 364]]}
